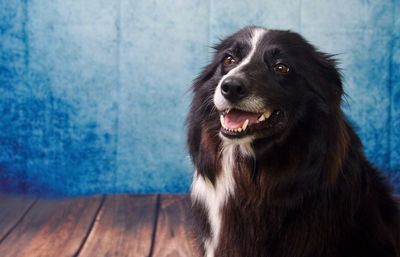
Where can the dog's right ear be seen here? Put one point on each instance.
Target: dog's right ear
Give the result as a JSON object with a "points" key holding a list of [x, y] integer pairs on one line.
{"points": [[207, 72], [202, 124], [203, 121], [203, 148], [204, 76], [218, 55]]}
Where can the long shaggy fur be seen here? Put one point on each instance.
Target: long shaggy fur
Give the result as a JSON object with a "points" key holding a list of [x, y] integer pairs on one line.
{"points": [[307, 189]]}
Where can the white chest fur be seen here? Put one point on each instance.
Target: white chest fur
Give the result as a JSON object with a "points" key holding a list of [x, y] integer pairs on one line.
{"points": [[214, 197]]}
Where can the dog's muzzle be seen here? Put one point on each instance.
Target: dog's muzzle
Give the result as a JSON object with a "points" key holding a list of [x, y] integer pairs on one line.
{"points": [[234, 89]]}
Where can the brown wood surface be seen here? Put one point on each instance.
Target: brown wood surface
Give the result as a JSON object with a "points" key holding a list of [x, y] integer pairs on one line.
{"points": [[12, 209], [174, 237], [124, 227], [53, 228], [117, 225]]}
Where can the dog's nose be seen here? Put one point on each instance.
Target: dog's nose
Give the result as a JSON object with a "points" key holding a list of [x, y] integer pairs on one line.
{"points": [[233, 89]]}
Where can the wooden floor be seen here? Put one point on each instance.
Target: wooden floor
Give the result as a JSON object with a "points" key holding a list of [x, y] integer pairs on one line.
{"points": [[99, 226]]}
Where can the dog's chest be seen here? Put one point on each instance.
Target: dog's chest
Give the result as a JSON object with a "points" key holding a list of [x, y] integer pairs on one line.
{"points": [[214, 197]]}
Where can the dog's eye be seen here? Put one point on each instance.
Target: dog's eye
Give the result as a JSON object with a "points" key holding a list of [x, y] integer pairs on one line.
{"points": [[281, 68], [229, 60]]}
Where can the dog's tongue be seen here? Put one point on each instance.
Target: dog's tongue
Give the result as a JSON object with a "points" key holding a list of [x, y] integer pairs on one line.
{"points": [[235, 118]]}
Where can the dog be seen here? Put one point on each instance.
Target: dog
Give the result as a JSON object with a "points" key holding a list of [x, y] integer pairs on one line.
{"points": [[279, 172]]}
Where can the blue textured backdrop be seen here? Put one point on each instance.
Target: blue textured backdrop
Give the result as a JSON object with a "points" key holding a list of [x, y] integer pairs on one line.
{"points": [[93, 93]]}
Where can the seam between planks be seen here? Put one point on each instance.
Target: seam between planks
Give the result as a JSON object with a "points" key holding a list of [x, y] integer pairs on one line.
{"points": [[154, 232], [18, 221], [89, 231]]}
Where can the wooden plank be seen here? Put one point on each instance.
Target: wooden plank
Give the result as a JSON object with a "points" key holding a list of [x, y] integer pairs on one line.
{"points": [[52, 228], [12, 209], [123, 227], [174, 235]]}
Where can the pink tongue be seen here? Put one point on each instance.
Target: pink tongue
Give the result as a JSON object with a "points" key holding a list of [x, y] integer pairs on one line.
{"points": [[235, 118]]}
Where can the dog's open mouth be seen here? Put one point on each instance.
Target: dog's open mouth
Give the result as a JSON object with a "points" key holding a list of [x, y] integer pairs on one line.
{"points": [[238, 123]]}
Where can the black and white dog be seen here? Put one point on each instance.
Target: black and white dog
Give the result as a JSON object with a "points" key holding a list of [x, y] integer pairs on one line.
{"points": [[278, 170]]}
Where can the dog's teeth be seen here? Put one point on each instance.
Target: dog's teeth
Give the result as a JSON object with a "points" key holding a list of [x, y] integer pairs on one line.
{"points": [[267, 114], [262, 118], [239, 129], [221, 119], [244, 126]]}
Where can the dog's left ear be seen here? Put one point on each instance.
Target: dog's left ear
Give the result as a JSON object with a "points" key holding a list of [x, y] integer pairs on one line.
{"points": [[328, 79]]}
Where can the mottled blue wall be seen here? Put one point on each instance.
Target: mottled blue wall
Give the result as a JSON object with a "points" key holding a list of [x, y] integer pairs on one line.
{"points": [[93, 93]]}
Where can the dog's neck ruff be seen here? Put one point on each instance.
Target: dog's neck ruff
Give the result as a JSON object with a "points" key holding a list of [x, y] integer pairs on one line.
{"points": [[215, 196]]}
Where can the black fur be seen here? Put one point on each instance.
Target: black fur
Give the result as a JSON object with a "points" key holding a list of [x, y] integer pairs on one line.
{"points": [[314, 193]]}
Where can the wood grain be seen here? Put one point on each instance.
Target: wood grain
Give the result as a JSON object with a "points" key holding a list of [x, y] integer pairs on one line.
{"points": [[12, 209], [118, 225], [123, 227], [174, 237], [52, 228]]}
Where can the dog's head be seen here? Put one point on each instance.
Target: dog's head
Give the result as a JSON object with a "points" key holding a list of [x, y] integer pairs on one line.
{"points": [[261, 83]]}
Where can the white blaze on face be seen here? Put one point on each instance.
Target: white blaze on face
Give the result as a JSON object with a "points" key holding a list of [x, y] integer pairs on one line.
{"points": [[214, 197], [255, 103]]}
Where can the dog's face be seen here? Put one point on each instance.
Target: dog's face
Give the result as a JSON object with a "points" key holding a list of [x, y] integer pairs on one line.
{"points": [[261, 83]]}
